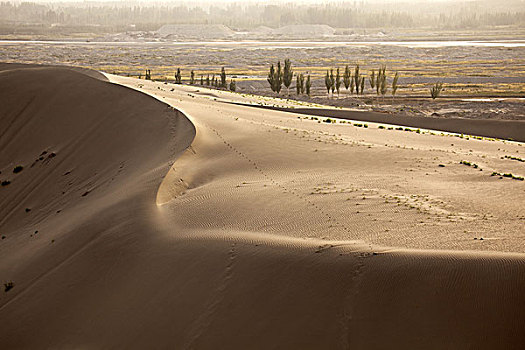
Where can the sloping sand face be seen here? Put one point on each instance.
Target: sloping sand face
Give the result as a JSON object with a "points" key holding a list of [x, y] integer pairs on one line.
{"points": [[268, 232]]}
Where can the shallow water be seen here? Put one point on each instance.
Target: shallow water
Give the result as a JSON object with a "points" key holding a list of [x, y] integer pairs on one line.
{"points": [[287, 44]]}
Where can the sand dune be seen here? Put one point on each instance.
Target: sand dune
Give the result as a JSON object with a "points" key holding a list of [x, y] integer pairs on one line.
{"points": [[501, 129], [269, 231]]}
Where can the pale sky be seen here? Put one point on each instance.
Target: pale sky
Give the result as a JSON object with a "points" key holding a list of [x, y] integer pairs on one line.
{"points": [[239, 1]]}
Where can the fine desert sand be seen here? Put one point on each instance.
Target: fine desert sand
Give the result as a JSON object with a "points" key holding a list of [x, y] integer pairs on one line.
{"points": [[153, 215]]}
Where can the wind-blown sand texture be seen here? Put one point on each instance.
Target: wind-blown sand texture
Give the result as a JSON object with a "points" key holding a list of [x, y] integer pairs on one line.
{"points": [[246, 228]]}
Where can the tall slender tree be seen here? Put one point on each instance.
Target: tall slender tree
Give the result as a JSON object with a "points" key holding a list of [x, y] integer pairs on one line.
{"points": [[208, 80], [271, 77], [328, 83], [275, 78], [279, 80], [308, 85], [372, 79], [287, 74], [338, 81], [192, 77], [381, 86], [357, 79], [223, 78], [394, 84], [332, 81], [378, 80], [347, 77]]}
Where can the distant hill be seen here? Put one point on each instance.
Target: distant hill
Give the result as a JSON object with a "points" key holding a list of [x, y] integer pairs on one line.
{"points": [[304, 30], [195, 31]]}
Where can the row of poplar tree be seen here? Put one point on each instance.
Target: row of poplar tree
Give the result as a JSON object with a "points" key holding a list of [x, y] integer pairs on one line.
{"points": [[219, 82], [277, 77], [356, 81]]}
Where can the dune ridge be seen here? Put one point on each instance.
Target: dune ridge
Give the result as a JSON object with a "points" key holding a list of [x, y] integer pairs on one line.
{"points": [[213, 245], [502, 129]]}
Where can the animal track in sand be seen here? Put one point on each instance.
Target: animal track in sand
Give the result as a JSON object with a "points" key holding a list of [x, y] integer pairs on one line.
{"points": [[284, 189]]}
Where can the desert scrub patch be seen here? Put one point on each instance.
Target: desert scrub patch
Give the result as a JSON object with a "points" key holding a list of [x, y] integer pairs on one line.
{"points": [[507, 175], [6, 182], [474, 165], [18, 169], [513, 158]]}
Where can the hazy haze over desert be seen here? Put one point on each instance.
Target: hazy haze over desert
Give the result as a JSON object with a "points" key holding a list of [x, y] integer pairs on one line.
{"points": [[262, 174]]}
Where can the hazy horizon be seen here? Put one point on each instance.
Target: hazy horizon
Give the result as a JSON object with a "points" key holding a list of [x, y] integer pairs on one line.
{"points": [[144, 2]]}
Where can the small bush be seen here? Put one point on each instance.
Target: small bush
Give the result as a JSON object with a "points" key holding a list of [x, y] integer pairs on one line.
{"points": [[436, 90], [18, 169], [8, 286], [6, 182]]}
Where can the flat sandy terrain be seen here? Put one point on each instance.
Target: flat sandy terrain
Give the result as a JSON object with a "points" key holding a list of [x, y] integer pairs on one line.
{"points": [[215, 225]]}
